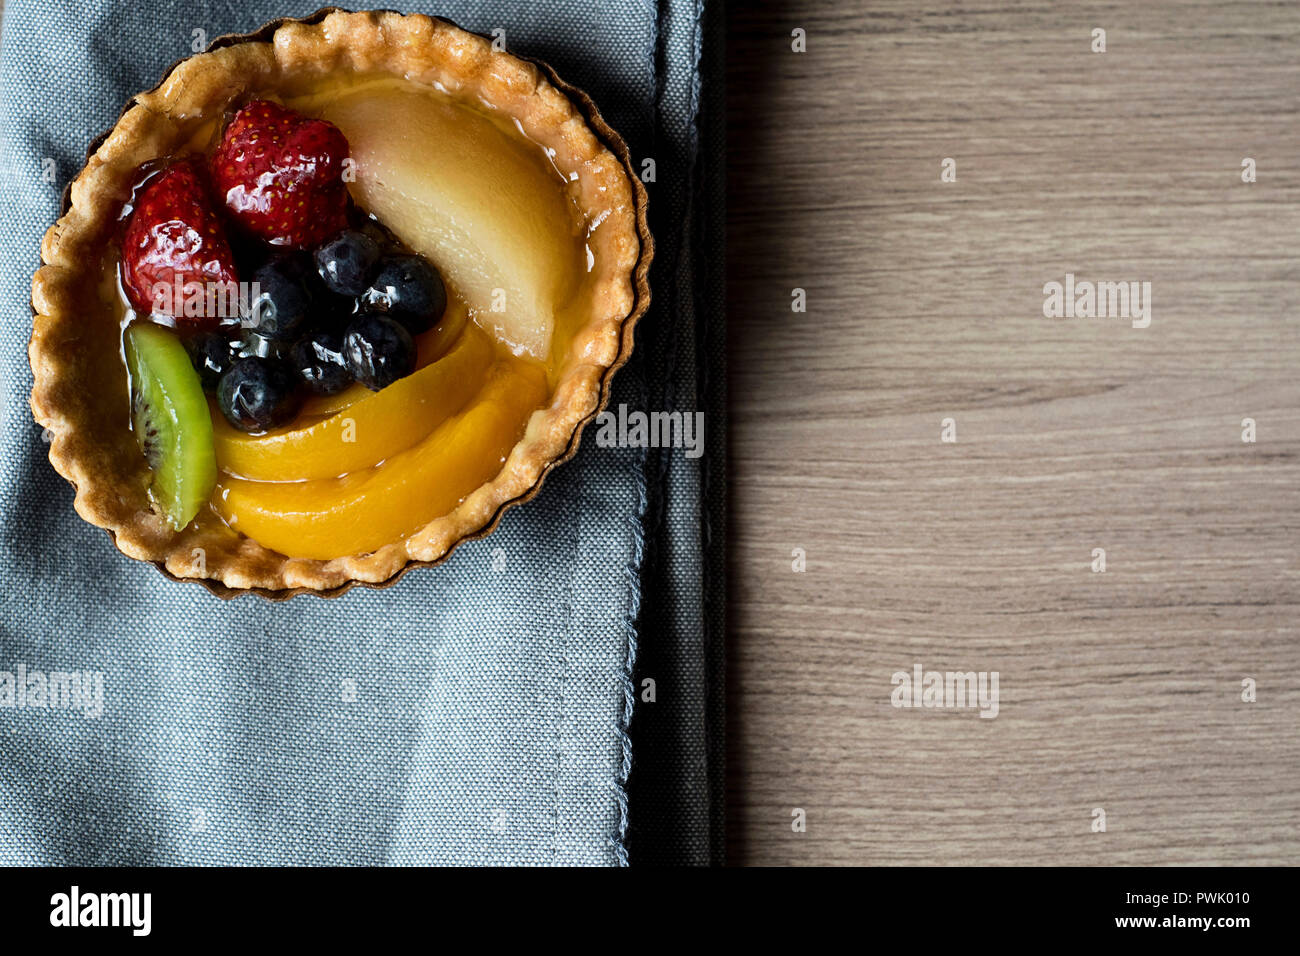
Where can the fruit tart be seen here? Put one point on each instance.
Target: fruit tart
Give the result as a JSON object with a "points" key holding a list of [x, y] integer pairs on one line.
{"points": [[330, 298]]}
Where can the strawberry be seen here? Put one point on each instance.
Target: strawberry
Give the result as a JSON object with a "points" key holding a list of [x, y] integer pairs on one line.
{"points": [[280, 175], [174, 239]]}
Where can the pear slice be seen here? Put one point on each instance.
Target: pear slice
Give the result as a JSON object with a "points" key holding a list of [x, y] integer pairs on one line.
{"points": [[480, 200]]}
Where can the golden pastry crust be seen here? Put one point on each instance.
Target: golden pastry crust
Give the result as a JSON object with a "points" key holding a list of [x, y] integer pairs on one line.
{"points": [[96, 452]]}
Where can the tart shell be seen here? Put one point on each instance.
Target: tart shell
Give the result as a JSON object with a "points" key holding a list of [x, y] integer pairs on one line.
{"points": [[111, 478]]}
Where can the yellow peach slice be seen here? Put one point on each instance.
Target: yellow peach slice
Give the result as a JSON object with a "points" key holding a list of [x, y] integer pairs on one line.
{"points": [[364, 434], [336, 517], [432, 345]]}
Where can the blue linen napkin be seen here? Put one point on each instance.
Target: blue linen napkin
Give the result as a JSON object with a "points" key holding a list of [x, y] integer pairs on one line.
{"points": [[475, 713]]}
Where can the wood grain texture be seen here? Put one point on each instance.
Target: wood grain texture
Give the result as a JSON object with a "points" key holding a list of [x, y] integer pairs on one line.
{"points": [[1119, 690]]}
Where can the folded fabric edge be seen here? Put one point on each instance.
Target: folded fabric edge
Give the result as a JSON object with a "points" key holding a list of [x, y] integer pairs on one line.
{"points": [[629, 623]]}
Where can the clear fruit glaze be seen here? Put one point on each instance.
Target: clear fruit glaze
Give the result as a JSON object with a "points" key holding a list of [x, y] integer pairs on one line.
{"points": [[463, 187]]}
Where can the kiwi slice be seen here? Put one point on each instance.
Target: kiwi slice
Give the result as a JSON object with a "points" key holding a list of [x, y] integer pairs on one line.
{"points": [[173, 427]]}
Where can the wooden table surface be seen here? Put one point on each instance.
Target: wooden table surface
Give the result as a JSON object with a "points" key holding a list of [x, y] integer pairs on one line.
{"points": [[1119, 690]]}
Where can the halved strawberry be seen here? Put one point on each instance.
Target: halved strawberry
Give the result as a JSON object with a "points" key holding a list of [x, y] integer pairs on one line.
{"points": [[174, 247], [280, 175]]}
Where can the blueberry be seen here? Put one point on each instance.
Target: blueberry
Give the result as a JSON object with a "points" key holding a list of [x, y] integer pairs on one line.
{"points": [[295, 264], [282, 307], [257, 394], [410, 290], [378, 232], [212, 354], [346, 262], [330, 310], [253, 344], [378, 351], [318, 360]]}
